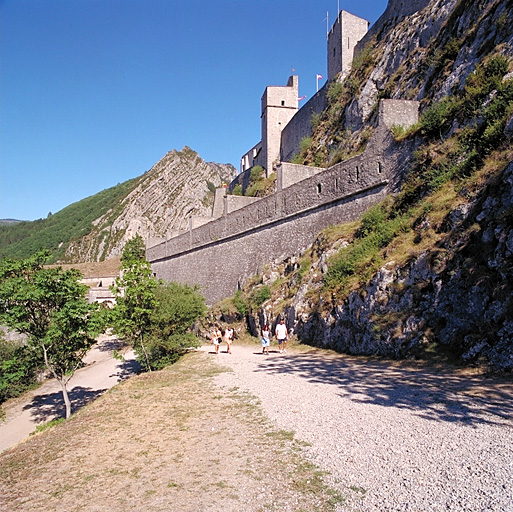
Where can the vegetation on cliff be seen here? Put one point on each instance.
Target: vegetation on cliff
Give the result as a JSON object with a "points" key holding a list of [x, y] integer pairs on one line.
{"points": [[429, 271], [96, 228]]}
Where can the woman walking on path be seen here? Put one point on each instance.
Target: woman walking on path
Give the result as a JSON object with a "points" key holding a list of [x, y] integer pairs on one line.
{"points": [[228, 339], [266, 339], [216, 338]]}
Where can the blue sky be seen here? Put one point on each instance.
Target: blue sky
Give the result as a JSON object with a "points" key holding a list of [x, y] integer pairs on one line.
{"points": [[95, 92]]}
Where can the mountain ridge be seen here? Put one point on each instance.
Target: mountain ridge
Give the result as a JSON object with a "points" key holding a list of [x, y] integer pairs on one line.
{"points": [[181, 183]]}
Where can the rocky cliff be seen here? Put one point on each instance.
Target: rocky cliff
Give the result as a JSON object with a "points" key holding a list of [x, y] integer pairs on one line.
{"points": [[430, 270], [179, 185]]}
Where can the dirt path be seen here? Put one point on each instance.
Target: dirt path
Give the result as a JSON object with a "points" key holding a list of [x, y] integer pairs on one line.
{"points": [[395, 436], [101, 372], [302, 431]]}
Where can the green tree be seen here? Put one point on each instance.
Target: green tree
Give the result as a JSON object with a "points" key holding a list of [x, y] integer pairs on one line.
{"points": [[135, 298], [50, 307], [177, 309]]}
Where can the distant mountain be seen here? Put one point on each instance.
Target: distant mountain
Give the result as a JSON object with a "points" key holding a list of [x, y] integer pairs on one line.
{"points": [[93, 229], [8, 222]]}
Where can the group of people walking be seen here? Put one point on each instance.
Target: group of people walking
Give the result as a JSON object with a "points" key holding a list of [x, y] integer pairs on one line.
{"points": [[218, 337], [281, 333]]}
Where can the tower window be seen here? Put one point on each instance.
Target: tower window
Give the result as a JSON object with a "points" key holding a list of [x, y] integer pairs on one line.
{"points": [[282, 103], [319, 188]]}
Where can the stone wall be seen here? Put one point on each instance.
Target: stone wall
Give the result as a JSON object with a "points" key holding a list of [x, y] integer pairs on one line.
{"points": [[300, 125], [224, 252], [288, 174]]}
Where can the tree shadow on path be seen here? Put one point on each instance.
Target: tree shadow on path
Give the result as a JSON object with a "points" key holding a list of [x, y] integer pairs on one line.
{"points": [[438, 394], [50, 406], [127, 369]]}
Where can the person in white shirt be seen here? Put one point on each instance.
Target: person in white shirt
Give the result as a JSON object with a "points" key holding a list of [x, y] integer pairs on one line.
{"points": [[282, 335]]}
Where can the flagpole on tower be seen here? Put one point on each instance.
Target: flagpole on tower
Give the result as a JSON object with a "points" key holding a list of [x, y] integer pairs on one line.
{"points": [[319, 77]]}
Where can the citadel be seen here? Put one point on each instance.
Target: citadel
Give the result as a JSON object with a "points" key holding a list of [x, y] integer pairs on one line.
{"points": [[244, 233]]}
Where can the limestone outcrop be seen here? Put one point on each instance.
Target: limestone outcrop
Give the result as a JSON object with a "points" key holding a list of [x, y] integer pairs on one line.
{"points": [[177, 187]]}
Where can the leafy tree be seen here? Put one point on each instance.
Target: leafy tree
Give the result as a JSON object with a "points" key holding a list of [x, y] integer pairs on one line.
{"points": [[135, 298], [17, 369], [49, 305], [178, 307]]}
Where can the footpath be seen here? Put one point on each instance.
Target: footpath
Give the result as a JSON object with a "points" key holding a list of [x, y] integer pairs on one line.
{"points": [[220, 432], [395, 436], [100, 372]]}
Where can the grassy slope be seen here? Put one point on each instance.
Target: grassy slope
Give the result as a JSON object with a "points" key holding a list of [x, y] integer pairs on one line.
{"points": [[22, 239]]}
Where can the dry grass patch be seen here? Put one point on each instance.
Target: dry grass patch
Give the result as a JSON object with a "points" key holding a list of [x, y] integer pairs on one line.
{"points": [[168, 440]]}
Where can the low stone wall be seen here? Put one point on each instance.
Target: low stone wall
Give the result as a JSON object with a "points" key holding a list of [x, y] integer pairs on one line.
{"points": [[288, 174]]}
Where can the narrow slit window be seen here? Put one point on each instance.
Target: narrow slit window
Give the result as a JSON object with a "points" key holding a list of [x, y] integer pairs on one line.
{"points": [[380, 167], [319, 188], [357, 173]]}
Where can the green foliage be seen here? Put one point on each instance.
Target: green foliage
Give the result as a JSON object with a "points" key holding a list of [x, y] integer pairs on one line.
{"points": [[377, 229], [240, 304], [259, 186], [439, 116], [48, 425], [154, 317], [50, 307], [256, 172], [237, 190], [305, 143], [178, 308], [335, 91], [315, 120], [22, 239], [211, 187], [162, 352], [18, 370], [135, 297], [364, 59], [259, 296]]}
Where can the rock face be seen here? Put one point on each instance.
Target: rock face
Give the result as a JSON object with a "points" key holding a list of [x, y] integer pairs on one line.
{"points": [[459, 293], [407, 67], [180, 185]]}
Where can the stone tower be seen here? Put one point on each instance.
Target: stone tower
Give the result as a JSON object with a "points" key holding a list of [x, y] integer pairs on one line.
{"points": [[279, 104], [347, 30]]}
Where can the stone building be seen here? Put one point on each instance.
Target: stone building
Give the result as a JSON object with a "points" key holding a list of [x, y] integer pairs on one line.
{"points": [[347, 30], [280, 103]]}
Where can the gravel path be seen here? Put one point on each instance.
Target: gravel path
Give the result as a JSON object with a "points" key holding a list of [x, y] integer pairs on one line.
{"points": [[394, 436]]}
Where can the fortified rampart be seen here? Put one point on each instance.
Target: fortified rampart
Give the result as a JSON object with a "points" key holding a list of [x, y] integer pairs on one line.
{"points": [[220, 255]]}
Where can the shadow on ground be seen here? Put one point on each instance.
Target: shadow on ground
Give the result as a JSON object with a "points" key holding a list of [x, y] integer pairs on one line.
{"points": [[50, 406], [435, 394], [127, 369]]}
